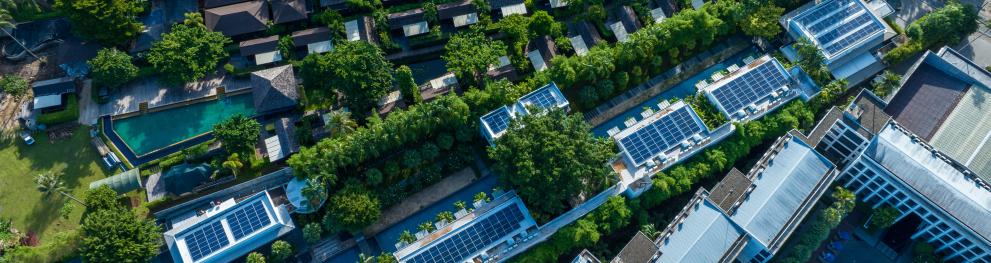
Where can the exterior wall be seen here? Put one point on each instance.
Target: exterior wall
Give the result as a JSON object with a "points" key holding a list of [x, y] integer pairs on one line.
{"points": [[876, 186], [754, 252], [842, 143]]}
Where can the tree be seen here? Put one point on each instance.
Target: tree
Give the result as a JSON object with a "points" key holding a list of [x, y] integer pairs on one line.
{"points": [[239, 134], [812, 60], [650, 230], [315, 191], [946, 25], [312, 233], [50, 183], [407, 237], [551, 149], [481, 197], [102, 198], [109, 22], [430, 12], [341, 124], [763, 22], [233, 163], [356, 69], [407, 86], [255, 257], [884, 217], [188, 51], [112, 68], [469, 54], [386, 258], [14, 85], [7, 21], [281, 250], [888, 82], [460, 205], [922, 252], [351, 209], [333, 20], [117, 235], [66, 210]]}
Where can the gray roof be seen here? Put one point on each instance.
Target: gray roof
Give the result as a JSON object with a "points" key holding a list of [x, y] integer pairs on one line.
{"points": [[288, 10], [701, 232], [496, 4], [587, 31], [869, 111], [216, 3], [925, 99], [944, 183], [310, 36], [259, 45], [626, 15], [824, 125], [274, 88], [285, 129], [57, 86], [448, 11], [398, 20], [237, 19], [640, 249], [545, 45], [730, 190]]}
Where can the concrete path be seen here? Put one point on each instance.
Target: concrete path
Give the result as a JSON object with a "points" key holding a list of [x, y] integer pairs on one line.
{"points": [[421, 199]]}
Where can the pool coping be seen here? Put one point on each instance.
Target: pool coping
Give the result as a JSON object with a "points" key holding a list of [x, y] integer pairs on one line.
{"points": [[138, 160]]}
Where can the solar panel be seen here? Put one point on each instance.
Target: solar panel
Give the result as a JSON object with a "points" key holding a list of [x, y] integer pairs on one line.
{"points": [[206, 240], [472, 239], [498, 120], [247, 220], [750, 87], [543, 98], [836, 25], [661, 135], [832, 19], [822, 10]]}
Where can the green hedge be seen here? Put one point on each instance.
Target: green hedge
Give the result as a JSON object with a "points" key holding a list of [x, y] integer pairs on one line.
{"points": [[69, 114]]}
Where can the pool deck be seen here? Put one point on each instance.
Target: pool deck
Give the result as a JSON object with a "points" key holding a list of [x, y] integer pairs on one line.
{"points": [[128, 98]]}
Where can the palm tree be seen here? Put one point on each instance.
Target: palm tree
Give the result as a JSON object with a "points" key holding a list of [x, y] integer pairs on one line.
{"points": [[7, 21], [445, 216], [461, 205], [314, 191], [426, 226], [341, 123], [51, 183], [407, 237], [233, 163], [650, 230], [362, 258]]}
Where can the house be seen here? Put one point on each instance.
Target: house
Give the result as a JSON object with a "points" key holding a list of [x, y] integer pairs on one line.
{"points": [[228, 229], [238, 19], [50, 95], [362, 28], [585, 257], [316, 40], [623, 22], [757, 88], [334, 4], [558, 3], [583, 36], [848, 32], [460, 13], [508, 7], [540, 52], [411, 22], [495, 123], [285, 11], [283, 143], [640, 249], [274, 90], [219, 3], [264, 50]]}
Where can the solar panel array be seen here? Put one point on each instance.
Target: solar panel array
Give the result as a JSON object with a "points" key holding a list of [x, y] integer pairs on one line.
{"points": [[476, 237], [206, 240], [661, 135], [498, 120], [838, 24], [750, 87], [543, 98], [247, 220]]}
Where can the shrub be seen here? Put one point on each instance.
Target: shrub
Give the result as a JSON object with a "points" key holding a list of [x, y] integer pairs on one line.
{"points": [[312, 233], [255, 257], [281, 250], [14, 85], [112, 68], [69, 114]]}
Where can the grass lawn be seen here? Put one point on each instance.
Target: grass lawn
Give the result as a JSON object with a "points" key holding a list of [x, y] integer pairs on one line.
{"points": [[20, 199]]}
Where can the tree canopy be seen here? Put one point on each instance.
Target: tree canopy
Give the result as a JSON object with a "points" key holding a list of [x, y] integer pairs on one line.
{"points": [[407, 86], [239, 134], [14, 85], [356, 69], [469, 54], [112, 68], [351, 209], [763, 22], [946, 25], [117, 235], [108, 22], [540, 150], [188, 52]]}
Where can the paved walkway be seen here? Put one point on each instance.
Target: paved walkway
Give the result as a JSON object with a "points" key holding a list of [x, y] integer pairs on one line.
{"points": [[421, 199], [150, 90]]}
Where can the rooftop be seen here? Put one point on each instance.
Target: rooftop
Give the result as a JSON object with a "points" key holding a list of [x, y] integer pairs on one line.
{"points": [[57, 86], [274, 89], [236, 19], [701, 232], [925, 99], [750, 88], [651, 137], [837, 26], [259, 45], [496, 122], [228, 230], [288, 10], [640, 249]]}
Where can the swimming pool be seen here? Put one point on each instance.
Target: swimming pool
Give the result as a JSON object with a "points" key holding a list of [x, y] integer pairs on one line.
{"points": [[146, 133], [681, 90]]}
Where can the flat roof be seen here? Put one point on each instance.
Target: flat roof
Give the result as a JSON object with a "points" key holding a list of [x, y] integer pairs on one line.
{"points": [[943, 183], [495, 123], [753, 83], [660, 132], [925, 99], [701, 233], [838, 25], [228, 230]]}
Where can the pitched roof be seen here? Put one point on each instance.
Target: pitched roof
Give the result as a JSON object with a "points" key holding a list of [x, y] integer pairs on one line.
{"points": [[586, 31], [288, 10], [626, 15], [274, 88], [545, 45], [640, 249], [259, 45], [57, 86], [310, 36], [496, 4], [731, 189], [216, 3], [237, 19], [398, 20], [362, 28], [451, 10]]}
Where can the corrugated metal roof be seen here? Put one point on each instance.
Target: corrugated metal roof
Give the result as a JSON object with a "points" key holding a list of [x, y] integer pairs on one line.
{"points": [[705, 235]]}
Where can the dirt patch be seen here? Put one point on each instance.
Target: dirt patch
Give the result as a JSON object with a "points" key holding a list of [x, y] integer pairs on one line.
{"points": [[10, 108]]}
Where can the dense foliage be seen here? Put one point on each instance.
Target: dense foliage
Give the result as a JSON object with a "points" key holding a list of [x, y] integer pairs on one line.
{"points": [[356, 69], [255, 257], [888, 82], [115, 234], [108, 22], [238, 135], [539, 150], [312, 232], [407, 86], [763, 22], [281, 250], [188, 51], [102, 198], [944, 26], [469, 54], [883, 217], [351, 210], [112, 68], [14, 85], [802, 245]]}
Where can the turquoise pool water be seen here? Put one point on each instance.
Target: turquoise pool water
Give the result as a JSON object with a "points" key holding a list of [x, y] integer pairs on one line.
{"points": [[681, 90], [155, 130]]}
